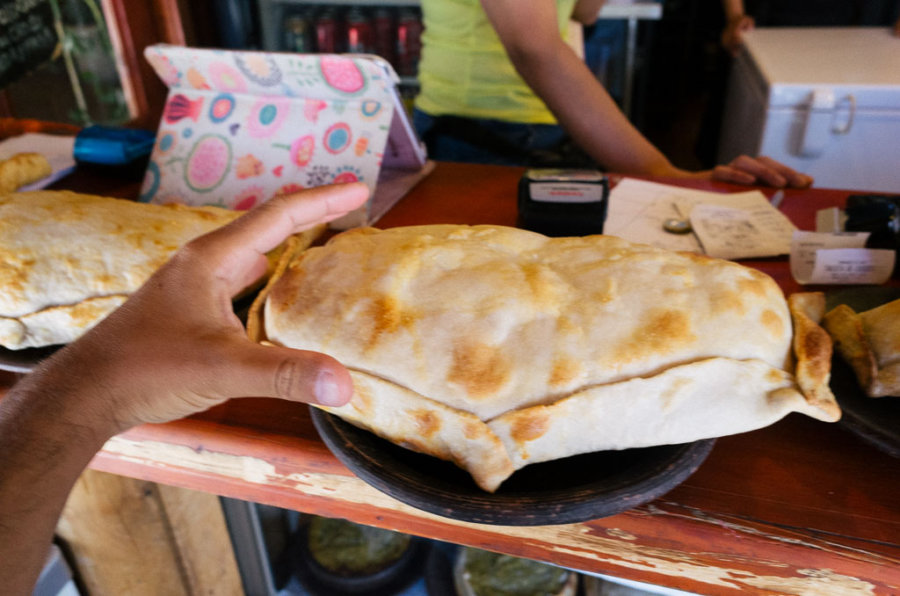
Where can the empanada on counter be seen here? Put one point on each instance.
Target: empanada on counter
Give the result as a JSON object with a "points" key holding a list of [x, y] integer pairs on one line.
{"points": [[870, 343], [68, 259], [494, 347], [22, 169]]}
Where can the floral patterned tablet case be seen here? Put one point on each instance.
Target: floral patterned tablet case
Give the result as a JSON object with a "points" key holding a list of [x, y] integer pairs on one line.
{"points": [[240, 127]]}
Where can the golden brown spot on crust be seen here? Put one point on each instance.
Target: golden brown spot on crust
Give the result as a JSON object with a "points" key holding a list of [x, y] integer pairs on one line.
{"points": [[530, 425], [542, 284], [13, 275], [87, 312], [362, 399], [387, 317], [564, 371], [479, 368], [473, 429], [774, 375], [772, 323], [105, 280], [669, 395], [758, 285], [566, 325], [207, 216], [681, 271], [699, 259], [664, 330], [417, 445], [818, 348], [427, 422], [723, 300]]}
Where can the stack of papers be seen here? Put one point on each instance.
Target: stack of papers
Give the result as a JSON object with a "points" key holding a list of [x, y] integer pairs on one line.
{"points": [[725, 225]]}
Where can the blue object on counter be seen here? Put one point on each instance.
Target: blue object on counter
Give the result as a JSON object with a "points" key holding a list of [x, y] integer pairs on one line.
{"points": [[112, 146]]}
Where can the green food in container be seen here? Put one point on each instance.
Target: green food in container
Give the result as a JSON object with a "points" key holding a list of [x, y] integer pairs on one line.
{"points": [[483, 573], [350, 549]]}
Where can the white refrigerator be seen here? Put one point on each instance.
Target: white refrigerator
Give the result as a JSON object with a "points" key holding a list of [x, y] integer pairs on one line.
{"points": [[825, 101]]}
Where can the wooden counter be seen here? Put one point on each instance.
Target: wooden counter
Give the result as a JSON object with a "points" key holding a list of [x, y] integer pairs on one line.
{"points": [[800, 507]]}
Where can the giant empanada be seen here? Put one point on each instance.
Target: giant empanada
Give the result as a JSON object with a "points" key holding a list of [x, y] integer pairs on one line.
{"points": [[68, 259], [494, 347]]}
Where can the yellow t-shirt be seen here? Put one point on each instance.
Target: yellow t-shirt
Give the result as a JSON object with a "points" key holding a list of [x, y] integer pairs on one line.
{"points": [[464, 69]]}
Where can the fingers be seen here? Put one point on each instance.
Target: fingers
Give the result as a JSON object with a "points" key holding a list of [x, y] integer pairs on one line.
{"points": [[794, 178], [237, 251], [733, 175], [253, 370], [762, 170], [266, 226]]}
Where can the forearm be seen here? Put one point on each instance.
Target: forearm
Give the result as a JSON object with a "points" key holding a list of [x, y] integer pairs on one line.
{"points": [[588, 113], [587, 11], [45, 443], [733, 9]]}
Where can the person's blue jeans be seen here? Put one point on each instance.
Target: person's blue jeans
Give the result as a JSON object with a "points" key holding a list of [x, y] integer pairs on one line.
{"points": [[469, 140]]}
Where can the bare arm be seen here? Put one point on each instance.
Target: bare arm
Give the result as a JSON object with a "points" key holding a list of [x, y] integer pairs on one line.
{"points": [[173, 349], [736, 24], [528, 32], [586, 11]]}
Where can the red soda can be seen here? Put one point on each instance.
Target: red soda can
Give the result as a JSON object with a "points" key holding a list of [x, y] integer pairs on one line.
{"points": [[359, 32], [383, 34], [326, 29], [409, 43]]}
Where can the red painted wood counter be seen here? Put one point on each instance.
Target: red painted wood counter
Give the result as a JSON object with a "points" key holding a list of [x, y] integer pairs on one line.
{"points": [[800, 507]]}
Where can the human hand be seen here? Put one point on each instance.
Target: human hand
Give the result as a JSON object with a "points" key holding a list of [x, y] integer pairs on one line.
{"points": [[176, 347], [760, 170], [733, 34]]}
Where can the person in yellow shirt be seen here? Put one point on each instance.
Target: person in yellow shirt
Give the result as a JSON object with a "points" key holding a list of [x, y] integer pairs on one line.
{"points": [[499, 84]]}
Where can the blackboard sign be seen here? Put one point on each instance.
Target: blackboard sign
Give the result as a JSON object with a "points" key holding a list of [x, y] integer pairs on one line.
{"points": [[27, 37]]}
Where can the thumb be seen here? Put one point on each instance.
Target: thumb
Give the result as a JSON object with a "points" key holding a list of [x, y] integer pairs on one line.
{"points": [[273, 371]]}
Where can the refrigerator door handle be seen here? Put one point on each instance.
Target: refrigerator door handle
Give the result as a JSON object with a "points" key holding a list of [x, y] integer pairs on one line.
{"points": [[850, 101], [818, 125]]}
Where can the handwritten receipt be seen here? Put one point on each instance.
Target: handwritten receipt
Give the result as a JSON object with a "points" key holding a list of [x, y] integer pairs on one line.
{"points": [[821, 258], [739, 226]]}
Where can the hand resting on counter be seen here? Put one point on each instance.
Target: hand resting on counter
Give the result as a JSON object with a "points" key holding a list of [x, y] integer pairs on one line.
{"points": [[758, 170]]}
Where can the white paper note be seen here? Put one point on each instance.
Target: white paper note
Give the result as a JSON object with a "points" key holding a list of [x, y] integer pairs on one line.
{"points": [[733, 233], [637, 210], [818, 258]]}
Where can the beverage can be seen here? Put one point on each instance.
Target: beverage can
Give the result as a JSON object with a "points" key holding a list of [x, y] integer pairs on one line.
{"points": [[409, 42], [326, 29], [297, 35], [358, 37], [383, 35]]}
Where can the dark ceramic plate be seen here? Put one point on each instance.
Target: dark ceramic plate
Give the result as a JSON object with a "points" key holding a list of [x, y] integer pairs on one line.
{"points": [[563, 491], [875, 420], [24, 361]]}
